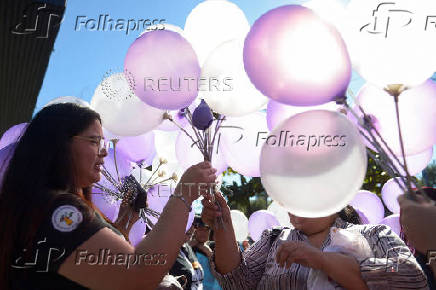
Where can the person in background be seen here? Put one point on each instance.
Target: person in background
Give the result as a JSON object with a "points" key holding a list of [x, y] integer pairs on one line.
{"points": [[201, 245], [187, 265], [285, 261], [245, 245], [418, 221]]}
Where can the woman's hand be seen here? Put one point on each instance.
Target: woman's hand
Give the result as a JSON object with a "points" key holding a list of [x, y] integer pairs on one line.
{"points": [[211, 211], [415, 214], [196, 180], [205, 250], [301, 253], [127, 216]]}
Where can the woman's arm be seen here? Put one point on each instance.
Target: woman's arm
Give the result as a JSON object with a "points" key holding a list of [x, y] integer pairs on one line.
{"points": [[393, 265], [232, 269], [143, 267], [227, 256], [343, 269]]}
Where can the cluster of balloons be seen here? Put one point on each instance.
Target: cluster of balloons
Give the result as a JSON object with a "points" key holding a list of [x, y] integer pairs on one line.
{"points": [[310, 157]]}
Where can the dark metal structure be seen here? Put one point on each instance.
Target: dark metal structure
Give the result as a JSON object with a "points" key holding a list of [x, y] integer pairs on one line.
{"points": [[28, 30]]}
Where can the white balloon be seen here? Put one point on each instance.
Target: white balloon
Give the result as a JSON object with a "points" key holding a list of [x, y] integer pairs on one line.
{"points": [[240, 224], [211, 23], [242, 145], [234, 94], [313, 163], [277, 112], [415, 163], [281, 214], [189, 154], [165, 143], [68, 99], [391, 42], [417, 107], [124, 114]]}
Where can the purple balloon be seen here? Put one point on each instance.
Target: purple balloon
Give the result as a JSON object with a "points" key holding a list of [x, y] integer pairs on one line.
{"points": [[165, 69], [294, 57], [260, 221], [363, 219], [370, 205], [393, 221], [137, 232], [6, 154], [106, 204], [202, 116], [13, 134], [138, 148]]}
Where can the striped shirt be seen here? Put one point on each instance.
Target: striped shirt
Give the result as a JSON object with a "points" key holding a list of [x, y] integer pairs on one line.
{"points": [[392, 265]]}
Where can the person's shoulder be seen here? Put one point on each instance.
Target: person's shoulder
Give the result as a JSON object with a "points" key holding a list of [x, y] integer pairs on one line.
{"points": [[371, 229]]}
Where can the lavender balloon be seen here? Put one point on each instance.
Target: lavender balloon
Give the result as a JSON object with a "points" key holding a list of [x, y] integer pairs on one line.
{"points": [[390, 192], [139, 148], [202, 117], [13, 134], [242, 142], [6, 154], [363, 219], [106, 204], [294, 57], [259, 221], [370, 205], [137, 232], [393, 221], [165, 69]]}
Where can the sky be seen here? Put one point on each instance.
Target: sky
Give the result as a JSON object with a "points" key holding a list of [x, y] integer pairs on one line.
{"points": [[81, 57]]}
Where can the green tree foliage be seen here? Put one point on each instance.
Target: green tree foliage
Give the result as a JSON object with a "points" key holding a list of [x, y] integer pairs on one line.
{"points": [[429, 175]]}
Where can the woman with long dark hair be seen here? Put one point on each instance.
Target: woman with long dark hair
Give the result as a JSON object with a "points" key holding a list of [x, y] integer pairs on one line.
{"points": [[285, 259], [51, 237]]}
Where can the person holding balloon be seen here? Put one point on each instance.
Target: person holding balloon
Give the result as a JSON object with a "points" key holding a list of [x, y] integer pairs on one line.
{"points": [[285, 261], [51, 237], [413, 216]]}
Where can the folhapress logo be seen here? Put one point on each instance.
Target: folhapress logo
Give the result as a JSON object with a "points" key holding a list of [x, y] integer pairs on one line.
{"points": [[39, 19]]}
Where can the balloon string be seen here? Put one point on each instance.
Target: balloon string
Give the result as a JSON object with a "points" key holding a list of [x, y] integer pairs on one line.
{"points": [[115, 141], [400, 135], [386, 158]]}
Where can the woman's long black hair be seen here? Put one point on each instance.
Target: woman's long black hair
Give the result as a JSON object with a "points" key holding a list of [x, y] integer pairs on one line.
{"points": [[42, 163]]}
